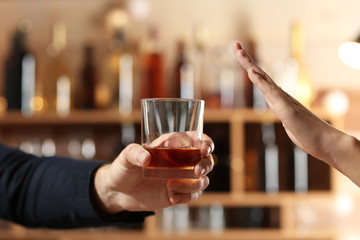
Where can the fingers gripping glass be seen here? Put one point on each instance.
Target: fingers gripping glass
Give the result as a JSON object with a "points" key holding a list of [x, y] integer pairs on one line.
{"points": [[171, 131]]}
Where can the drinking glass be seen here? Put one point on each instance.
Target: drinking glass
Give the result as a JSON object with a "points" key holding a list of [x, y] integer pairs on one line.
{"points": [[172, 131]]}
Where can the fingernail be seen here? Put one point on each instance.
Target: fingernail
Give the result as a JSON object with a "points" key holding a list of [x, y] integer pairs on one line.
{"points": [[202, 171], [207, 149], [141, 158], [238, 45]]}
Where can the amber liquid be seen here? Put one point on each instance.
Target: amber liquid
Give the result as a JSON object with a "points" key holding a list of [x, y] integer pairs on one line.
{"points": [[174, 157]]}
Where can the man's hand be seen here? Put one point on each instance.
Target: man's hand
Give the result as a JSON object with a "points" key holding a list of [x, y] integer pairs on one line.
{"points": [[121, 186]]}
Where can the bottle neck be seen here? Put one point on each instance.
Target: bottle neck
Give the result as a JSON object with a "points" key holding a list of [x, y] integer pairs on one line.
{"points": [[153, 43], [117, 43], [58, 43], [18, 45]]}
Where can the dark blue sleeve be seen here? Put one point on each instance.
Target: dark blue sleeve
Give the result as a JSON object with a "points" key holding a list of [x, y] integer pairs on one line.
{"points": [[52, 192]]}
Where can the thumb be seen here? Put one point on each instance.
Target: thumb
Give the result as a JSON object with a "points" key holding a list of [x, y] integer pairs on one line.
{"points": [[132, 156]]}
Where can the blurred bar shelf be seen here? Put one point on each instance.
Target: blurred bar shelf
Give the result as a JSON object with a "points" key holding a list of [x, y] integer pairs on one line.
{"points": [[112, 116], [229, 129]]}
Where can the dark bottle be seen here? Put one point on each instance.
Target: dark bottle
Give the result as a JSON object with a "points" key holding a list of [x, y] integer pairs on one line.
{"points": [[152, 85], [19, 61], [88, 79]]}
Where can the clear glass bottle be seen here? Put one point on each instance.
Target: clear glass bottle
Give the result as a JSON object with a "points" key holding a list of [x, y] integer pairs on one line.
{"points": [[57, 81], [183, 82]]}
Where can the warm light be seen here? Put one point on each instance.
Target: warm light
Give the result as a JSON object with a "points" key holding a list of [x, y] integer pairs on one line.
{"points": [[349, 53], [344, 204], [140, 9], [351, 237], [102, 95], [336, 102], [116, 18], [304, 90], [37, 103]]}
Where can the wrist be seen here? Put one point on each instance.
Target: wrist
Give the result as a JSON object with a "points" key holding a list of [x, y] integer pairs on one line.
{"points": [[104, 196], [345, 155]]}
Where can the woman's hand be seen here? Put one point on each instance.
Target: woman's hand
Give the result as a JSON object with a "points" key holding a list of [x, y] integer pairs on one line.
{"points": [[305, 129], [121, 186]]}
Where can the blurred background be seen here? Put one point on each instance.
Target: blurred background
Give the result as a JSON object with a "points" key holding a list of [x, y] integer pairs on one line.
{"points": [[75, 72]]}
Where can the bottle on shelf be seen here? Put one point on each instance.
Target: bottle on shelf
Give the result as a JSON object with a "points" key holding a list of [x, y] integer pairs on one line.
{"points": [[231, 79], [115, 87], [118, 71], [20, 73], [254, 170], [126, 81], [183, 74], [88, 79], [181, 218], [198, 58], [222, 79], [120, 67], [300, 170], [253, 98], [271, 158], [227, 84], [217, 218], [57, 83], [211, 78], [152, 84], [167, 220]]}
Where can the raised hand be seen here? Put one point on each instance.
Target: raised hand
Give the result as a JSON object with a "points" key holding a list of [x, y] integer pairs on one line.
{"points": [[304, 128]]}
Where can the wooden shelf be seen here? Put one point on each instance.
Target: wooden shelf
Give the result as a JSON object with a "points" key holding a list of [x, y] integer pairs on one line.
{"points": [[74, 117], [112, 116]]}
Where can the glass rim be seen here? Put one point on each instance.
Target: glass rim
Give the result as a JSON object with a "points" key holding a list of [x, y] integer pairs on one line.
{"points": [[172, 100]]}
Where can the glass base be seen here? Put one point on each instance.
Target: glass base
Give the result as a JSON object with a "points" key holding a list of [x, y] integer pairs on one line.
{"points": [[169, 173]]}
